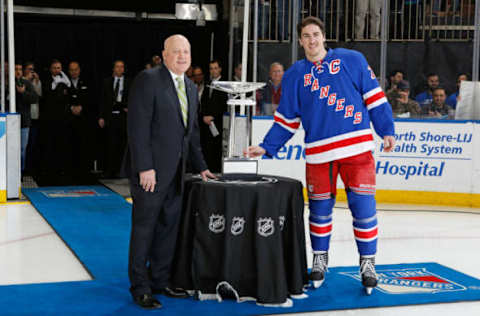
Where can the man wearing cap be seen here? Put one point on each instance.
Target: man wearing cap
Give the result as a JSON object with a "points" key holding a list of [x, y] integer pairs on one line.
{"points": [[400, 101]]}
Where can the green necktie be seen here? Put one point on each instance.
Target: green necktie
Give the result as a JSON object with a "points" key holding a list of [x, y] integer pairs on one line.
{"points": [[182, 97]]}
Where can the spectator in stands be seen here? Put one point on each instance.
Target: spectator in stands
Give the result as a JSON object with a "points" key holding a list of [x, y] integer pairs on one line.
{"points": [[189, 73], [402, 104], [437, 108], [198, 79], [148, 65], [25, 95], [454, 97], [425, 97], [78, 122], [33, 157], [373, 7], [269, 97], [214, 104], [156, 61], [113, 117], [53, 114], [395, 77], [237, 72]]}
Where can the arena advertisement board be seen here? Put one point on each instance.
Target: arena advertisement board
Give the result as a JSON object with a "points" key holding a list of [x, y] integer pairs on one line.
{"points": [[437, 156]]}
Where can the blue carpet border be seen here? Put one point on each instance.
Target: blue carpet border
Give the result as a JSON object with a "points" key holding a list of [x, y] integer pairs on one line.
{"points": [[108, 294]]}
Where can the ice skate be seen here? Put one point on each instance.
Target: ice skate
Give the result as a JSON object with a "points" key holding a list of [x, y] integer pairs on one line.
{"points": [[368, 274], [319, 268]]}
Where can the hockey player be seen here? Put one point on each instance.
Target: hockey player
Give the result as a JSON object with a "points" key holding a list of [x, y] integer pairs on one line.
{"points": [[335, 95]]}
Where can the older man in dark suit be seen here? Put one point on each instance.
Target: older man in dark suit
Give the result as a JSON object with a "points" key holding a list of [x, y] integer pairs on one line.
{"points": [[162, 135]]}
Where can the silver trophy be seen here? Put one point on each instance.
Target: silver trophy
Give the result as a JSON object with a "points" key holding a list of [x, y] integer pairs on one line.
{"points": [[239, 132]]}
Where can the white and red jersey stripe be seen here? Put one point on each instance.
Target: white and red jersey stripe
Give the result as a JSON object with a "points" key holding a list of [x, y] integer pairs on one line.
{"points": [[365, 234], [374, 98], [321, 230], [340, 146], [290, 125]]}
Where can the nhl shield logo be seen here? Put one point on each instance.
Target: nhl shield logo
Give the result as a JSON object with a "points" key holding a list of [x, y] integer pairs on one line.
{"points": [[217, 223], [410, 281], [265, 226], [238, 223], [281, 222]]}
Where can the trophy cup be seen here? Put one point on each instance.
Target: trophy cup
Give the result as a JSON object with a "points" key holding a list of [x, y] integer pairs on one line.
{"points": [[233, 160]]}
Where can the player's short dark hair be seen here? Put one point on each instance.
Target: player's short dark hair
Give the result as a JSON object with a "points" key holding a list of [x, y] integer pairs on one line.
{"points": [[432, 74], [310, 20], [463, 74]]}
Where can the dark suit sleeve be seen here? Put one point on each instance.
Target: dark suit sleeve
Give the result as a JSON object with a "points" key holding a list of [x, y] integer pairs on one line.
{"points": [[140, 117]]}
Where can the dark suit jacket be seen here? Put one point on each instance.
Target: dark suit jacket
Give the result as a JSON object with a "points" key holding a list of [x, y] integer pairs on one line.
{"points": [[79, 96], [108, 99], [54, 102], [157, 136], [214, 105]]}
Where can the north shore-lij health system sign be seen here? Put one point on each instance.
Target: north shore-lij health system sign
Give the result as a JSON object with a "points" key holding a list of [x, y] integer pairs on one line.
{"points": [[430, 155]]}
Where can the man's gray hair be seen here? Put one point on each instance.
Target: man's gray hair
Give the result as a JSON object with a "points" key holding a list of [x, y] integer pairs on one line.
{"points": [[276, 63]]}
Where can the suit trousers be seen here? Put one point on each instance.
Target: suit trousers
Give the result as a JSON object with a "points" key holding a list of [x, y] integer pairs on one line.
{"points": [[155, 221]]}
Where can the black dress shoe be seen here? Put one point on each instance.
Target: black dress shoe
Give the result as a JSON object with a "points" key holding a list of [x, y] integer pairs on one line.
{"points": [[147, 301], [175, 293]]}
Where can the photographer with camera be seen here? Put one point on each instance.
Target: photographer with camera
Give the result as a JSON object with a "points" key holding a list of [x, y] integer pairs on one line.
{"points": [[25, 95]]}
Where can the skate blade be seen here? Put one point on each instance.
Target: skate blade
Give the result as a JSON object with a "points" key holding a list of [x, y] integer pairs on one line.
{"points": [[368, 290], [317, 284]]}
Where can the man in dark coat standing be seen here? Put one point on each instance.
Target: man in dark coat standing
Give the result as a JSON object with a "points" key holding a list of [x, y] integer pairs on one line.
{"points": [[113, 117], [53, 113], [214, 105], [162, 135]]}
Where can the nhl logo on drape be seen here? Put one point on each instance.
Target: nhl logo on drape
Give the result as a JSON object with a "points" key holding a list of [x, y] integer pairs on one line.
{"points": [[265, 226], [217, 223], [281, 222], [238, 223]]}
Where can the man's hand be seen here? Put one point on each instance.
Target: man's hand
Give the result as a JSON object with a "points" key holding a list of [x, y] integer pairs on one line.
{"points": [[208, 119], [254, 151], [388, 143], [147, 180], [101, 123], [206, 174], [21, 89]]}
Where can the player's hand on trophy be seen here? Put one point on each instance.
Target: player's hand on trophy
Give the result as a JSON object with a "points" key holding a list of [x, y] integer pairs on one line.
{"points": [[388, 143], [254, 151]]}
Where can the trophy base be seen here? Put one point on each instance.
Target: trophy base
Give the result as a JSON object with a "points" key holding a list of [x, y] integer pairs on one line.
{"points": [[239, 165]]}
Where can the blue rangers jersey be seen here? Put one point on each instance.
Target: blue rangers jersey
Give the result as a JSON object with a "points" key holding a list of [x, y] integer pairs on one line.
{"points": [[334, 99]]}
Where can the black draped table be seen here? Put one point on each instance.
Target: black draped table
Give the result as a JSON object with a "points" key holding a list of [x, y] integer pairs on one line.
{"points": [[243, 232]]}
